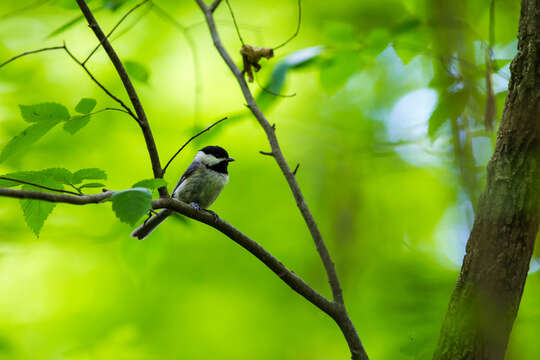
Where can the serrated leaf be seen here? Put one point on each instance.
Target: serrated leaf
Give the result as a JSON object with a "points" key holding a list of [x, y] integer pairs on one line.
{"points": [[61, 175], [137, 71], [91, 185], [150, 184], [36, 212], [30, 176], [29, 136], [86, 105], [88, 174], [44, 112], [76, 123], [130, 205]]}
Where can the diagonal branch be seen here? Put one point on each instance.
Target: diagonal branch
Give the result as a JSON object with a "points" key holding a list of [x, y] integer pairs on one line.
{"points": [[341, 318], [134, 98]]}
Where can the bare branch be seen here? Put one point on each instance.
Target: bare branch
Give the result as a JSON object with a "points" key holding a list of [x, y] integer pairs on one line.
{"points": [[57, 198], [190, 139], [31, 52], [115, 27], [266, 153], [234, 21], [37, 185], [296, 169], [342, 318], [141, 115]]}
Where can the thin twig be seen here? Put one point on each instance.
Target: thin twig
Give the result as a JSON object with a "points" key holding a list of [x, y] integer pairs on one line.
{"points": [[266, 153], [234, 21], [190, 139], [128, 86], [37, 185], [134, 22], [124, 17], [296, 169], [31, 52], [297, 27]]}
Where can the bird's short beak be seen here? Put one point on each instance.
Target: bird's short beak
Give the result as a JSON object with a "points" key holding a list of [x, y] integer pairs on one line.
{"points": [[230, 159]]}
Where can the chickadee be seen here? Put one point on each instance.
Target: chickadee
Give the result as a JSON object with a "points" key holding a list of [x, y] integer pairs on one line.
{"points": [[199, 186]]}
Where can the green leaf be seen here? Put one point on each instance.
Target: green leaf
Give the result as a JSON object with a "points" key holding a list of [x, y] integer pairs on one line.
{"points": [[137, 71], [130, 205], [36, 212], [76, 123], [44, 112], [91, 174], [59, 175], [86, 105], [28, 137], [150, 184], [91, 185]]}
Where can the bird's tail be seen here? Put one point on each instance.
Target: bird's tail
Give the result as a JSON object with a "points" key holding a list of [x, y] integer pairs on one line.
{"points": [[145, 229]]}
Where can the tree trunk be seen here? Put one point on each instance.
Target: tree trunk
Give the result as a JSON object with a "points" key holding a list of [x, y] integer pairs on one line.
{"points": [[486, 298]]}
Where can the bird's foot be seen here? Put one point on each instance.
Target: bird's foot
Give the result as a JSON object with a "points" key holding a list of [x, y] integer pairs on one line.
{"points": [[214, 214], [195, 206]]}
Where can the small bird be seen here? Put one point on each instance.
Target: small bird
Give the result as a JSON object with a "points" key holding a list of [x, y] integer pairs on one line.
{"points": [[199, 186]]}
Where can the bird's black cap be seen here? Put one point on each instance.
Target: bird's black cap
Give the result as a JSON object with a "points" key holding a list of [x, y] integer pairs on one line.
{"points": [[217, 151]]}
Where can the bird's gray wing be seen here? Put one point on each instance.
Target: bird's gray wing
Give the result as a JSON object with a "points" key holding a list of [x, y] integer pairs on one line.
{"points": [[190, 170]]}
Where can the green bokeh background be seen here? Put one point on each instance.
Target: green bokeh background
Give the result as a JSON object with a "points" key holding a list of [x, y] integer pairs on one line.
{"points": [[390, 201]]}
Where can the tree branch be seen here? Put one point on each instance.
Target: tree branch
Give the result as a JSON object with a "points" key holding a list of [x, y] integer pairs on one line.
{"points": [[190, 139], [342, 318], [124, 17], [141, 115]]}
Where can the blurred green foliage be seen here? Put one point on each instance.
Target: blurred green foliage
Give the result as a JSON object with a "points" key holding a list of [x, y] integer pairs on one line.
{"points": [[388, 124]]}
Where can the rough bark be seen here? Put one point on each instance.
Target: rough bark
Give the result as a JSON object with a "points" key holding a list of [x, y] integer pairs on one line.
{"points": [[486, 298]]}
